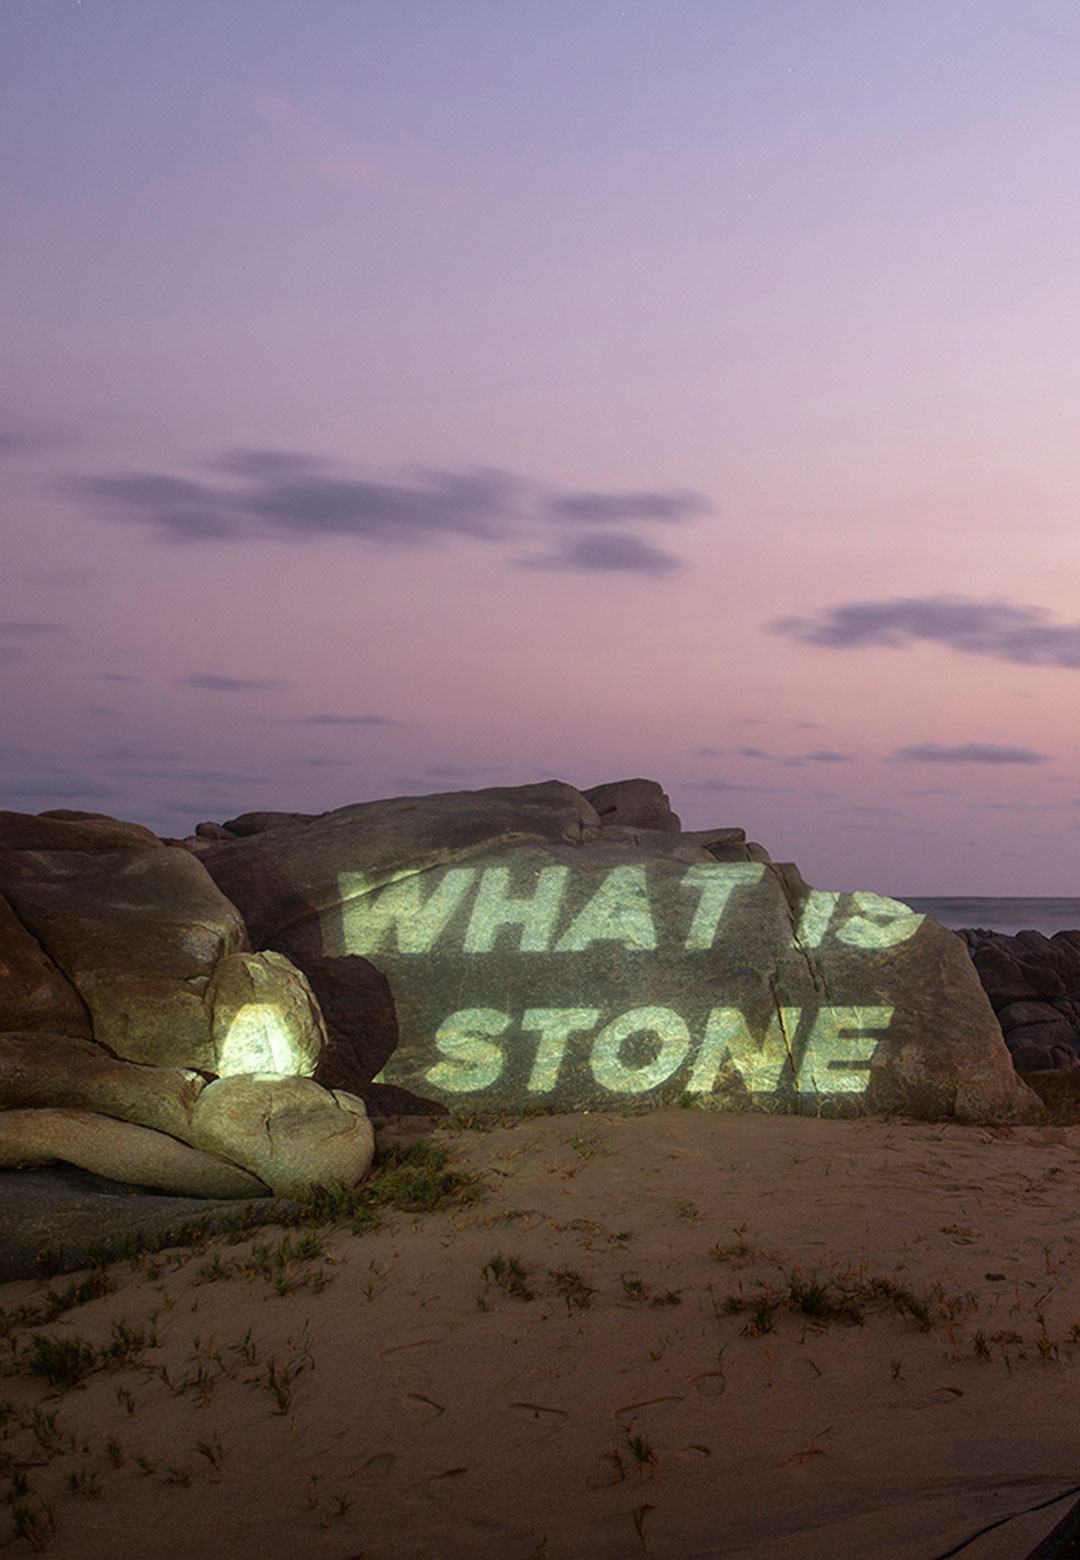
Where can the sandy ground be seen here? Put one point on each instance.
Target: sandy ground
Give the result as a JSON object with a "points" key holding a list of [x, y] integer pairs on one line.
{"points": [[618, 1351]]}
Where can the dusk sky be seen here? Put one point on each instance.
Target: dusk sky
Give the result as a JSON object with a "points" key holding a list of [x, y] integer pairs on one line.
{"points": [[417, 395]]}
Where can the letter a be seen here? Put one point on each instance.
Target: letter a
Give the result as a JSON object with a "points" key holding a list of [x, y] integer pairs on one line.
{"points": [[617, 912]]}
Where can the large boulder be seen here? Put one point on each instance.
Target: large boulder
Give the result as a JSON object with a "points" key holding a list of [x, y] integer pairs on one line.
{"points": [[634, 804], [120, 1150], [34, 993], [137, 933], [282, 1132], [264, 1016], [157, 956], [580, 977], [538, 957], [287, 1131], [1033, 983], [57, 1071]]}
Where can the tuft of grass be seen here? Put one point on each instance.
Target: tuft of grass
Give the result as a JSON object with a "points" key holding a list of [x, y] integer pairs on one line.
{"points": [[411, 1178], [762, 1320], [820, 1302], [212, 1451], [85, 1482], [509, 1274], [573, 1288], [62, 1361], [35, 1524], [643, 1454]]}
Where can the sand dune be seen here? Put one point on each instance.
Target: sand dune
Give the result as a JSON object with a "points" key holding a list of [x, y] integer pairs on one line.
{"points": [[677, 1334]]}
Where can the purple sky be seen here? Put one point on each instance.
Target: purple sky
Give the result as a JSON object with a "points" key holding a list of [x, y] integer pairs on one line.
{"points": [[403, 395]]}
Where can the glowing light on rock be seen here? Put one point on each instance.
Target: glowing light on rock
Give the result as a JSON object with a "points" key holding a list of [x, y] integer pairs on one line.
{"points": [[259, 1041]]}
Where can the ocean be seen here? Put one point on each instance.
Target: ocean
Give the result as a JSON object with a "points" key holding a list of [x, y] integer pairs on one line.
{"points": [[1001, 915]]}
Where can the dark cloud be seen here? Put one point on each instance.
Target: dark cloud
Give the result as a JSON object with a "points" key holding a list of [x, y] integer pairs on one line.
{"points": [[264, 465], [295, 496], [471, 503], [138, 752], [325, 763], [46, 790], [219, 684], [597, 508], [966, 753], [1024, 635], [606, 552], [344, 720], [259, 494], [793, 760], [23, 629], [709, 752], [24, 438], [216, 777], [461, 771], [728, 785], [178, 509], [8, 654]]}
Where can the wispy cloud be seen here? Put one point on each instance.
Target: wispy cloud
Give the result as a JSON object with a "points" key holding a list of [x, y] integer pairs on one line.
{"points": [[605, 552], [344, 720], [1027, 636], [23, 629], [256, 495], [47, 789], [461, 771], [966, 753], [727, 785], [596, 508], [217, 683]]}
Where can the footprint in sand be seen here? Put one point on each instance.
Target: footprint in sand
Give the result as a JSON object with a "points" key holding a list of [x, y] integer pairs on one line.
{"points": [[710, 1383], [538, 1411], [445, 1483], [421, 1406], [632, 1410], [376, 1470]]}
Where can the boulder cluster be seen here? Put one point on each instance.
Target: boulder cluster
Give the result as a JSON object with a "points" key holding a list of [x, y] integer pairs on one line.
{"points": [[141, 1037], [200, 1016], [1033, 983]]}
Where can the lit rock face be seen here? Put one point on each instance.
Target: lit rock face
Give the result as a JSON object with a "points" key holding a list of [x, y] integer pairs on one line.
{"points": [[264, 1016], [538, 957], [603, 974]]}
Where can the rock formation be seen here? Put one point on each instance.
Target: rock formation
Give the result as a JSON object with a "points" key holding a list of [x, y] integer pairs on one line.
{"points": [[210, 1016], [1033, 983]]}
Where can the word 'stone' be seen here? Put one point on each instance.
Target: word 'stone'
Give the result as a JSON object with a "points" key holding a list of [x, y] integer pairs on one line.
{"points": [[402, 918], [833, 1058]]}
